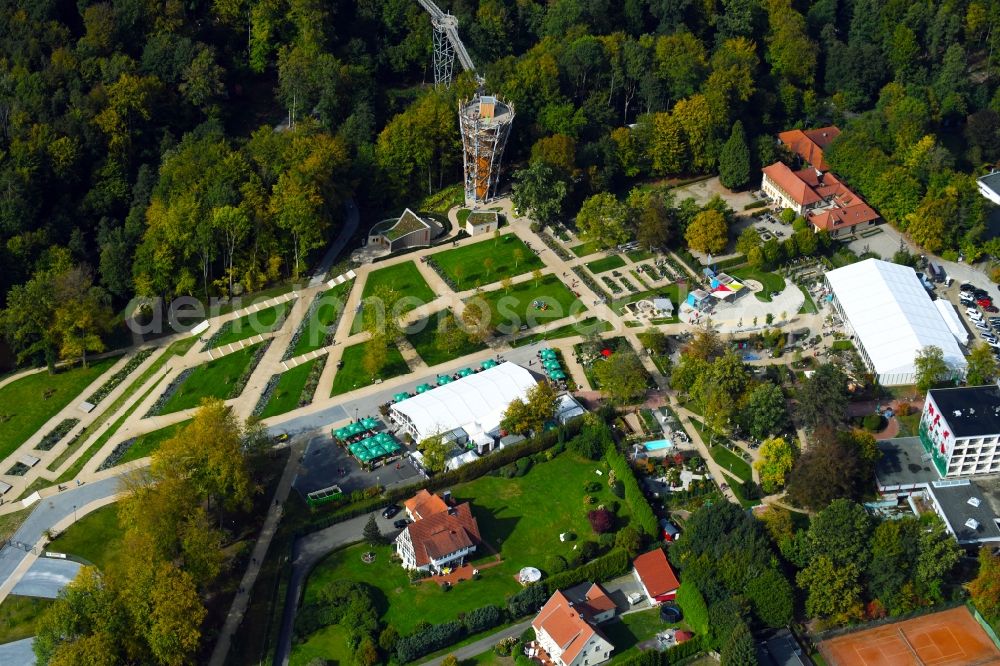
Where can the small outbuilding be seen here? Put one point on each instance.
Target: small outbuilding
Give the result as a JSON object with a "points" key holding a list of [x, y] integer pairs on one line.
{"points": [[655, 576], [482, 222]]}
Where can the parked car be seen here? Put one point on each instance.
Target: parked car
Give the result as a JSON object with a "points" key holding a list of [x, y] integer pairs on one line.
{"points": [[984, 302], [390, 511], [992, 308], [966, 286], [979, 293], [985, 335], [401, 523], [981, 326], [974, 314]]}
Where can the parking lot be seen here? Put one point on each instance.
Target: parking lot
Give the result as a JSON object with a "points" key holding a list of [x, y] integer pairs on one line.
{"points": [[982, 317]]}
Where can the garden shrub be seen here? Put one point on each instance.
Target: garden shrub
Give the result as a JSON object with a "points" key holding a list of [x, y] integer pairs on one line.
{"points": [[872, 422], [555, 564], [484, 618], [434, 637], [603, 568], [601, 520], [528, 600]]}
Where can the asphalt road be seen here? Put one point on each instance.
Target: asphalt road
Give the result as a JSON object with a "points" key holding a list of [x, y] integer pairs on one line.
{"points": [[47, 513], [306, 553], [482, 645]]}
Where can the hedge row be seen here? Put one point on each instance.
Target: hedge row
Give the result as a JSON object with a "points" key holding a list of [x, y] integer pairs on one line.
{"points": [[467, 472], [642, 513], [615, 563], [428, 640], [112, 383]]}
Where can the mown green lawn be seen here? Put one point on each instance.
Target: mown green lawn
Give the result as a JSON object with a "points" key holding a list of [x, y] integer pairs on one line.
{"points": [[639, 255], [605, 264], [584, 249], [626, 632], [96, 537], [215, 379], [353, 375], [249, 325], [286, 394], [583, 327], [423, 340], [522, 516], [329, 645], [146, 444], [19, 615], [407, 282], [732, 462], [670, 291], [332, 301], [521, 305], [772, 281], [467, 268], [27, 403], [809, 306]]}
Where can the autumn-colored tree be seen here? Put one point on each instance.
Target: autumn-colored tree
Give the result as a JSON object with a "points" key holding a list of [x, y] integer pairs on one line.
{"points": [[602, 219], [776, 459], [708, 232]]}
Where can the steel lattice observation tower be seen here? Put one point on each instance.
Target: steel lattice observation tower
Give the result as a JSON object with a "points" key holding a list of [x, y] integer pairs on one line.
{"points": [[484, 120]]}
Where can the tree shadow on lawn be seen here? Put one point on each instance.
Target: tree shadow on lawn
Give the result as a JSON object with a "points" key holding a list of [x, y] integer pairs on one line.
{"points": [[493, 529]]}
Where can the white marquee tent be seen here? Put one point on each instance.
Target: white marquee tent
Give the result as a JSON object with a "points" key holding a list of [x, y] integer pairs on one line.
{"points": [[892, 318], [475, 403]]}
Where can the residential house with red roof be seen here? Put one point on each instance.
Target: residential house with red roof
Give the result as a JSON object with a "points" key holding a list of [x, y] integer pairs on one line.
{"points": [[565, 637], [655, 576], [826, 202], [810, 144], [424, 504], [441, 539]]}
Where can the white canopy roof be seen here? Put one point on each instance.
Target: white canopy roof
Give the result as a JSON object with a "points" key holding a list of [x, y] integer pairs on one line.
{"points": [[892, 315], [953, 321], [475, 403]]}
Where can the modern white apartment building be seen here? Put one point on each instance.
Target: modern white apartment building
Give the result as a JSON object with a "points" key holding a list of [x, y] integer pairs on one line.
{"points": [[960, 429]]}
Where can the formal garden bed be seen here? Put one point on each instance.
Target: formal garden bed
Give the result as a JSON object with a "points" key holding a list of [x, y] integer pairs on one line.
{"points": [[53, 436], [531, 303], [223, 378], [291, 389], [112, 383]]}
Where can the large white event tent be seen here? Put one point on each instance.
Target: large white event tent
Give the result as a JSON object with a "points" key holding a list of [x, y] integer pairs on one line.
{"points": [[891, 317], [475, 403]]}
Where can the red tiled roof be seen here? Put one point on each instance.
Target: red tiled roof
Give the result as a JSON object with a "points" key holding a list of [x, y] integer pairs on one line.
{"points": [[810, 144], [564, 625], [795, 187], [424, 504], [443, 533], [656, 573], [598, 599], [840, 218]]}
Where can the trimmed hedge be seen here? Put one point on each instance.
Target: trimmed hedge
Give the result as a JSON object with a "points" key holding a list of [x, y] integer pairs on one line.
{"points": [[484, 618], [615, 563], [691, 601], [528, 600], [428, 640], [642, 513], [467, 472]]}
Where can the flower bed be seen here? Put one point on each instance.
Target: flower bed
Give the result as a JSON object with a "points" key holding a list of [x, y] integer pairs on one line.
{"points": [[56, 434], [586, 278], [19, 469], [312, 381], [241, 383], [168, 393], [303, 326], [117, 454], [556, 246], [117, 378], [615, 288], [265, 396]]}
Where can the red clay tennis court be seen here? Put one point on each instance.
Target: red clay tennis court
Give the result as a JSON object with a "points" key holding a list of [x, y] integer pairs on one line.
{"points": [[949, 638]]}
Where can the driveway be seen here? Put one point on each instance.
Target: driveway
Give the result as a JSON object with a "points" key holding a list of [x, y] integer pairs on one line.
{"points": [[306, 553], [482, 645], [47, 513]]}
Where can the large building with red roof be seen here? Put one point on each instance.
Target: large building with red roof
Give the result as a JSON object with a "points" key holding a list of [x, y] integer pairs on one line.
{"points": [[810, 144], [443, 538], [566, 636], [655, 576], [826, 202]]}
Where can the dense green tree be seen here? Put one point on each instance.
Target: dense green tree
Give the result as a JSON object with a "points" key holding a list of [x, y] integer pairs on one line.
{"points": [[982, 365], [602, 219], [764, 412], [734, 160], [708, 232], [931, 367], [776, 460], [622, 377], [371, 533], [539, 192], [823, 397]]}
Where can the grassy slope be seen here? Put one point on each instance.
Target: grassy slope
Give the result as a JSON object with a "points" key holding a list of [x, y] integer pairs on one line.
{"points": [[213, 379], [145, 444], [96, 537], [331, 302], [515, 307], [24, 407], [286, 394], [471, 259], [353, 374], [423, 342], [405, 279]]}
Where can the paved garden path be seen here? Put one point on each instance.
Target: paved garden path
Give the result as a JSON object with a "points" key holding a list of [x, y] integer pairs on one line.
{"points": [[482, 645]]}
